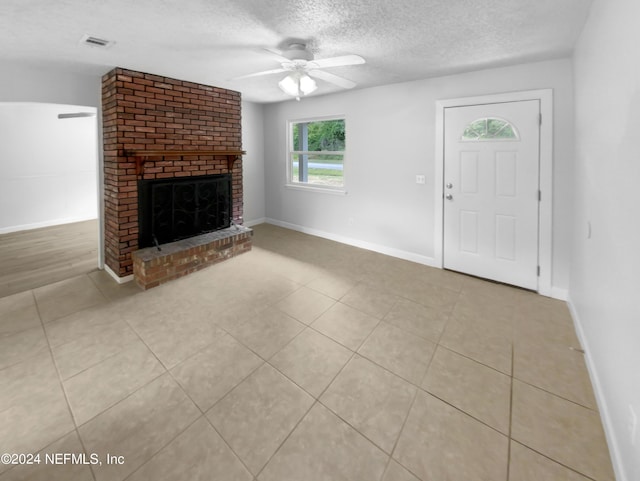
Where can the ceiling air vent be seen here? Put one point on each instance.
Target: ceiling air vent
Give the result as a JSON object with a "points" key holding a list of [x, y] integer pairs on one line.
{"points": [[95, 42]]}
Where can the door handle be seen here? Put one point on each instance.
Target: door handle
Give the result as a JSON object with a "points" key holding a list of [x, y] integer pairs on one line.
{"points": [[449, 185], [448, 197]]}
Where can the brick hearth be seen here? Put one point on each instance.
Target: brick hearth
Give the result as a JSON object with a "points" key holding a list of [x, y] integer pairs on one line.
{"points": [[153, 267]]}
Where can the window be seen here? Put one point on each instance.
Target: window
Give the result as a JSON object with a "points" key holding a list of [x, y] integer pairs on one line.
{"points": [[489, 129], [316, 153]]}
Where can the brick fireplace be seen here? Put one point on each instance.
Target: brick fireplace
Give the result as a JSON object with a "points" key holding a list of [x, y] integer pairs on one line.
{"points": [[157, 127]]}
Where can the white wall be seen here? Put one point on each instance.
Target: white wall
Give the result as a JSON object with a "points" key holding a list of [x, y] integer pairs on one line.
{"points": [[253, 162], [26, 83], [48, 166], [23, 83], [390, 139], [605, 274]]}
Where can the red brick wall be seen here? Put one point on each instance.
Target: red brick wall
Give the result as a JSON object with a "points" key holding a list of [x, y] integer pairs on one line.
{"points": [[144, 111]]}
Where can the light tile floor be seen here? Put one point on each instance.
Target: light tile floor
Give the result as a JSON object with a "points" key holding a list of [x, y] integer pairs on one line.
{"points": [[301, 360]]}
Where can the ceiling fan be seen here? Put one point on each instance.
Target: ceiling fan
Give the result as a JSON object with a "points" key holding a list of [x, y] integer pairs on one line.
{"points": [[302, 66]]}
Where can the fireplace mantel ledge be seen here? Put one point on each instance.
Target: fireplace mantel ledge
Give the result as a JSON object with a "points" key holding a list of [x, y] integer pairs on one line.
{"points": [[141, 156]]}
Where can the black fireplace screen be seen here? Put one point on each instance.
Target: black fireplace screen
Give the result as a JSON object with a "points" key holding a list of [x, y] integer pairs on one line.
{"points": [[174, 209]]}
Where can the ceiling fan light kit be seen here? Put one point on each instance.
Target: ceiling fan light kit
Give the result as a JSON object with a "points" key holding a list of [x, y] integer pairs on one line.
{"points": [[297, 84], [300, 64]]}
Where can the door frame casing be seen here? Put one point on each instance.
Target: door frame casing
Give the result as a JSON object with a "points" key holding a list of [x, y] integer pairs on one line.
{"points": [[545, 207]]}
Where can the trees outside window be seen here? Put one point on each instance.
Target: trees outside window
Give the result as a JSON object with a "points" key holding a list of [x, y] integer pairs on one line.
{"points": [[316, 152]]}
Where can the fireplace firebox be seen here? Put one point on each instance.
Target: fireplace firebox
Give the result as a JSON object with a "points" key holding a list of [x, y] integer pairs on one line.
{"points": [[178, 208]]}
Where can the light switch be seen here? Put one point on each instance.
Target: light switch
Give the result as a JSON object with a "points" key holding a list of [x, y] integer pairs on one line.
{"points": [[420, 179]]}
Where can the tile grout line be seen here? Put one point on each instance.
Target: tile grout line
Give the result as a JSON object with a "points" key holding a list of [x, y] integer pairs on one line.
{"points": [[512, 375], [468, 358], [94, 364], [418, 386], [415, 384], [513, 440], [104, 294], [202, 413], [236, 386], [296, 383], [475, 361], [166, 371], [64, 391], [153, 456], [462, 411], [510, 439], [210, 423], [111, 357], [354, 354], [316, 400], [404, 423], [554, 460], [286, 438], [558, 396]]}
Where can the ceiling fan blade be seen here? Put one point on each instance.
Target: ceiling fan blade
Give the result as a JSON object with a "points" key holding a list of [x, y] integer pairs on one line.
{"points": [[331, 78], [342, 61], [260, 74], [277, 55]]}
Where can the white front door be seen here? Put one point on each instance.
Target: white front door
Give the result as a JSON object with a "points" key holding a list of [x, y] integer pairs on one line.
{"points": [[491, 189]]}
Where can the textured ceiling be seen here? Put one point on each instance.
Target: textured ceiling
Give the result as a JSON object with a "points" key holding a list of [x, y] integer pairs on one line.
{"points": [[214, 41]]}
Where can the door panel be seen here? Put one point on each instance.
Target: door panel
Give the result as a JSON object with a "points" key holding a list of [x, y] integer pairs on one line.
{"points": [[469, 231], [469, 172], [491, 187], [506, 237], [506, 174]]}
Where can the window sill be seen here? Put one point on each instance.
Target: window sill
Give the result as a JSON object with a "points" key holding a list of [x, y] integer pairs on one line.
{"points": [[317, 188]]}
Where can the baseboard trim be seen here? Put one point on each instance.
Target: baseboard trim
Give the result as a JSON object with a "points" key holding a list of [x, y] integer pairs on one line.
{"points": [[555, 293], [614, 451], [118, 279], [48, 223], [390, 251], [251, 223]]}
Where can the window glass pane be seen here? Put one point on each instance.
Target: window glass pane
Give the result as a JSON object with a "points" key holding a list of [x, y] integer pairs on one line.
{"points": [[321, 135], [490, 129], [295, 136], [316, 154], [295, 167], [322, 169]]}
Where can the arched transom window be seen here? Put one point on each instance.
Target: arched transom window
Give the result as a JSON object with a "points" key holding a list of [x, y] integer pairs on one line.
{"points": [[489, 128]]}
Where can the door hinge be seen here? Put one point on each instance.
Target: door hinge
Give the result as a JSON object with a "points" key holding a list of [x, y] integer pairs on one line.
{"points": [[539, 119], [539, 195], [538, 271]]}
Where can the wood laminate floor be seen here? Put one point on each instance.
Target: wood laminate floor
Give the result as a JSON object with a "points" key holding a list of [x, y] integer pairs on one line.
{"points": [[34, 258]]}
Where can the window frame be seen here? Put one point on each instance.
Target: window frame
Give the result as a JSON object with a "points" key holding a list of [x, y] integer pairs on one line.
{"points": [[289, 183]]}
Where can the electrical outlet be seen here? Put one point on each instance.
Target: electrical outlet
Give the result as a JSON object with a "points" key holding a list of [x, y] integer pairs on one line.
{"points": [[632, 425], [420, 179]]}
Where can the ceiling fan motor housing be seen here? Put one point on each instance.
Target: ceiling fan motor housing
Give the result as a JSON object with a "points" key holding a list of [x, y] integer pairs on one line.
{"points": [[298, 51]]}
